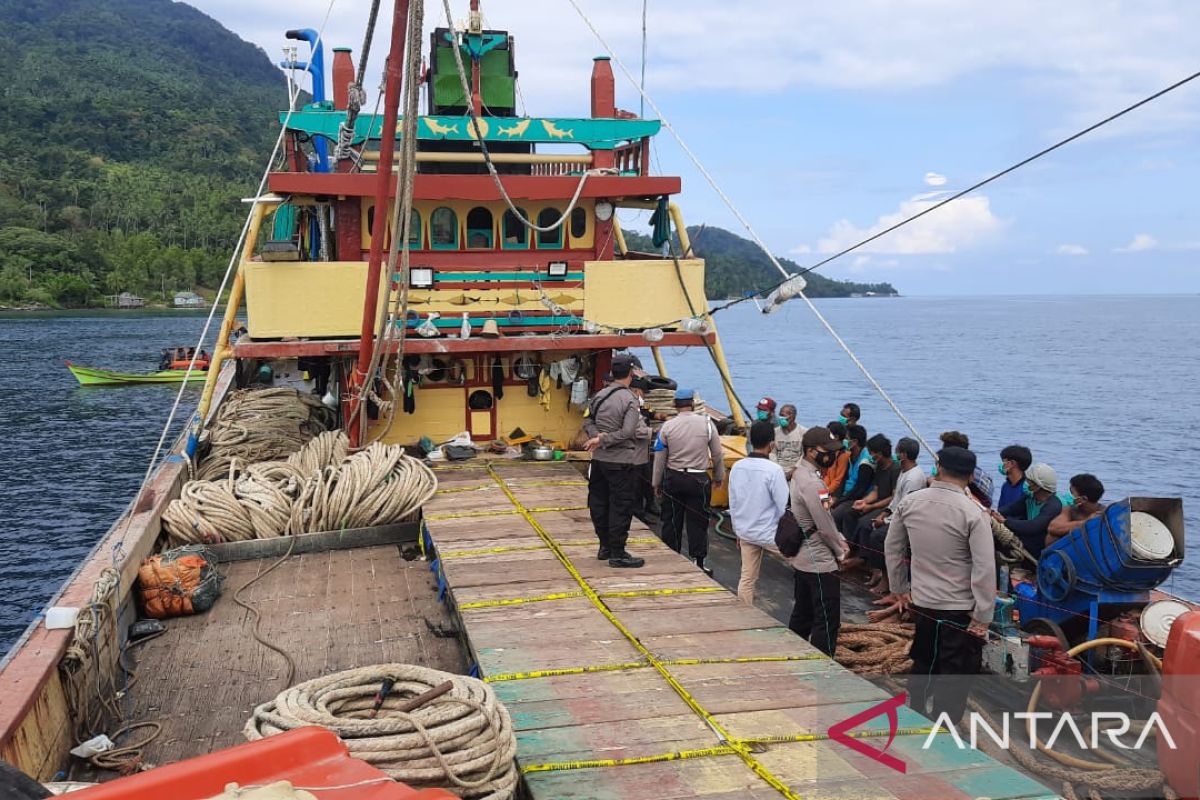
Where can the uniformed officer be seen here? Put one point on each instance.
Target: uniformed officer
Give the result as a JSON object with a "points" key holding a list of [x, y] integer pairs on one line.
{"points": [[687, 446], [618, 438], [817, 614]]}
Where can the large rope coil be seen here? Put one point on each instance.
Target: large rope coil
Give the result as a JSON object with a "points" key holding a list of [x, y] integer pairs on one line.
{"points": [[318, 488], [876, 648], [462, 741], [259, 425]]}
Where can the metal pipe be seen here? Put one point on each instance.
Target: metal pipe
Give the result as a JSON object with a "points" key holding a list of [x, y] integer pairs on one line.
{"points": [[383, 185], [619, 235], [658, 361], [315, 67], [221, 349]]}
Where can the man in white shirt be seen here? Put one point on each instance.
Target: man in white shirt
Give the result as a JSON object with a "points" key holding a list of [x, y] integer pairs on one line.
{"points": [[758, 495], [788, 441]]}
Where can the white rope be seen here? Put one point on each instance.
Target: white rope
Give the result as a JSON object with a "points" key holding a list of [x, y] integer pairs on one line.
{"points": [[749, 229], [118, 547], [462, 740], [516, 212]]}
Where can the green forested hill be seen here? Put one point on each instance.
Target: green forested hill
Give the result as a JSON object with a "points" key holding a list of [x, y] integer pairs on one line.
{"points": [[130, 129], [735, 266]]}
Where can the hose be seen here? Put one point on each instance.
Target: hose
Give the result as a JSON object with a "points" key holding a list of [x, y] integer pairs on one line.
{"points": [[461, 740]]}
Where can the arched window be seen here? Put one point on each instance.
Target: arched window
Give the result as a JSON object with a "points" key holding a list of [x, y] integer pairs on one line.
{"points": [[516, 235], [578, 223], [414, 231], [549, 240], [480, 235], [443, 229]]}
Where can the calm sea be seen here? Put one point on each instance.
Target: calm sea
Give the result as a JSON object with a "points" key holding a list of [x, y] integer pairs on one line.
{"points": [[1107, 385]]}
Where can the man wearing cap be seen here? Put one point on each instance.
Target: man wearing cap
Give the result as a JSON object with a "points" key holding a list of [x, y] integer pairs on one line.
{"points": [[617, 438], [1030, 517], [817, 613], [766, 410], [953, 583], [687, 446]]}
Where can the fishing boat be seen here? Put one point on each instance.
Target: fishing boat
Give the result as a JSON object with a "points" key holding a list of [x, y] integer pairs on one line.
{"points": [[90, 376], [455, 274]]}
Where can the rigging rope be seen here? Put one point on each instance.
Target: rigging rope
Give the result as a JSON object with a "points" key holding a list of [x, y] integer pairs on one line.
{"points": [[462, 739]]}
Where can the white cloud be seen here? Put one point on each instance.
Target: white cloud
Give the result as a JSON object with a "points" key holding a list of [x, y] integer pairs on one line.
{"points": [[934, 179], [800, 250], [1091, 56], [1141, 243], [1071, 250], [954, 227]]}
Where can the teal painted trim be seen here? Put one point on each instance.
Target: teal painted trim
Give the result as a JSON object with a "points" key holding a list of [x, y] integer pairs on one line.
{"points": [[506, 276], [595, 134], [455, 322]]}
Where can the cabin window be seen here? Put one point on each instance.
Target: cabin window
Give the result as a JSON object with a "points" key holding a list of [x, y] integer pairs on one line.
{"points": [[479, 229], [443, 229], [516, 235], [552, 240], [578, 223], [414, 231]]}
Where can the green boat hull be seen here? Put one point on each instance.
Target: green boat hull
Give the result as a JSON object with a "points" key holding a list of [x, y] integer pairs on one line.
{"points": [[87, 376]]}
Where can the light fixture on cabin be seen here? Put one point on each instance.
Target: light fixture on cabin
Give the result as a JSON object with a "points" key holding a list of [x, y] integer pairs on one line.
{"points": [[604, 211], [556, 270], [420, 278]]}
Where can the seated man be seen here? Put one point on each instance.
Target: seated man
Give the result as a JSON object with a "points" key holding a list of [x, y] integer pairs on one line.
{"points": [[854, 519], [1030, 517], [911, 479], [835, 475], [1082, 504], [860, 471], [1014, 460]]}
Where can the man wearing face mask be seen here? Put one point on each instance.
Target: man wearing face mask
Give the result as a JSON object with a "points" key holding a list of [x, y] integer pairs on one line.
{"points": [[850, 414], [835, 476], [789, 447], [1080, 505], [817, 614], [1030, 517], [1014, 460], [766, 410]]}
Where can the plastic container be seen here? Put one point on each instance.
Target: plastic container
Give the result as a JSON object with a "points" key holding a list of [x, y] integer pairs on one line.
{"points": [[60, 617], [1158, 617], [1149, 539], [1179, 706]]}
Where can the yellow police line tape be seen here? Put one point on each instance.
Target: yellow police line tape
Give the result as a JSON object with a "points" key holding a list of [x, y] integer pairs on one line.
{"points": [[487, 551], [674, 662], [542, 598], [709, 752], [509, 513], [743, 751]]}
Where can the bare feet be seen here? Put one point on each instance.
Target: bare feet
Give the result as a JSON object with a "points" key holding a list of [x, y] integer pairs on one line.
{"points": [[886, 600]]}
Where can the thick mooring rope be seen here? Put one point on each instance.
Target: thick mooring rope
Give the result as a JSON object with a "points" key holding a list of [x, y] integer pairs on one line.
{"points": [[462, 740], [319, 488]]}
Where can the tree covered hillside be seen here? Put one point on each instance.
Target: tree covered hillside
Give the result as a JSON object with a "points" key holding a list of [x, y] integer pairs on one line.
{"points": [[734, 266], [131, 129]]}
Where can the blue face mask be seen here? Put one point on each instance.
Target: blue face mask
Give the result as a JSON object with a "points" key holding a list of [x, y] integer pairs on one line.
{"points": [[842, 420], [784, 422], [1027, 489], [763, 415], [845, 444], [1067, 499], [933, 472], [1000, 468], [895, 459]]}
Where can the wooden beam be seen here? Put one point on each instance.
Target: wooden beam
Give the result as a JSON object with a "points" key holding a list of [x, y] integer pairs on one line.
{"points": [[505, 344], [476, 187]]}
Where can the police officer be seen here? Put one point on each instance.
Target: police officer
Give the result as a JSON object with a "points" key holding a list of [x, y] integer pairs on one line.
{"points": [[686, 447], [817, 613], [645, 507], [618, 438]]}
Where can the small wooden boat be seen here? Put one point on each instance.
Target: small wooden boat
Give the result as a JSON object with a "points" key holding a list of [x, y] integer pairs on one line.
{"points": [[88, 376]]}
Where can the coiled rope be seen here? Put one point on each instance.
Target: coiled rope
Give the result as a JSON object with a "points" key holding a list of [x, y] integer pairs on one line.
{"points": [[461, 740], [318, 488]]}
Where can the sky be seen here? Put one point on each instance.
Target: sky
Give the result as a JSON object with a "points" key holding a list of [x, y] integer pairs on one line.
{"points": [[826, 122]]}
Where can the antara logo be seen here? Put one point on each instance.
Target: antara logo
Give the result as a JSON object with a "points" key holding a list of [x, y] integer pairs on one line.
{"points": [[839, 732]]}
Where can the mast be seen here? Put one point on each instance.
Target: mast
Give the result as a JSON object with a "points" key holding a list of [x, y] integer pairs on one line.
{"points": [[383, 184]]}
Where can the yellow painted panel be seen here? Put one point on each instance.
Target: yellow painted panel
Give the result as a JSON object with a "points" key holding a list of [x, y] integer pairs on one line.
{"points": [[441, 413], [299, 298], [641, 294]]}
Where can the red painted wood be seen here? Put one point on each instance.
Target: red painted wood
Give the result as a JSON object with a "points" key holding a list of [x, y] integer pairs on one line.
{"points": [[348, 221], [604, 240], [477, 187], [343, 76], [505, 344], [604, 105], [383, 182]]}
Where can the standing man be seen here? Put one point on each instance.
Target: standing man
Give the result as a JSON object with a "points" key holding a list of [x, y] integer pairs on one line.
{"points": [[686, 446], [765, 410], [817, 614], [618, 439], [645, 506], [789, 447], [953, 586], [758, 495], [1014, 460]]}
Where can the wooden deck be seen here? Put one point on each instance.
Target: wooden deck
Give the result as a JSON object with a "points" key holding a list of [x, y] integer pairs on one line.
{"points": [[656, 682], [331, 610]]}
